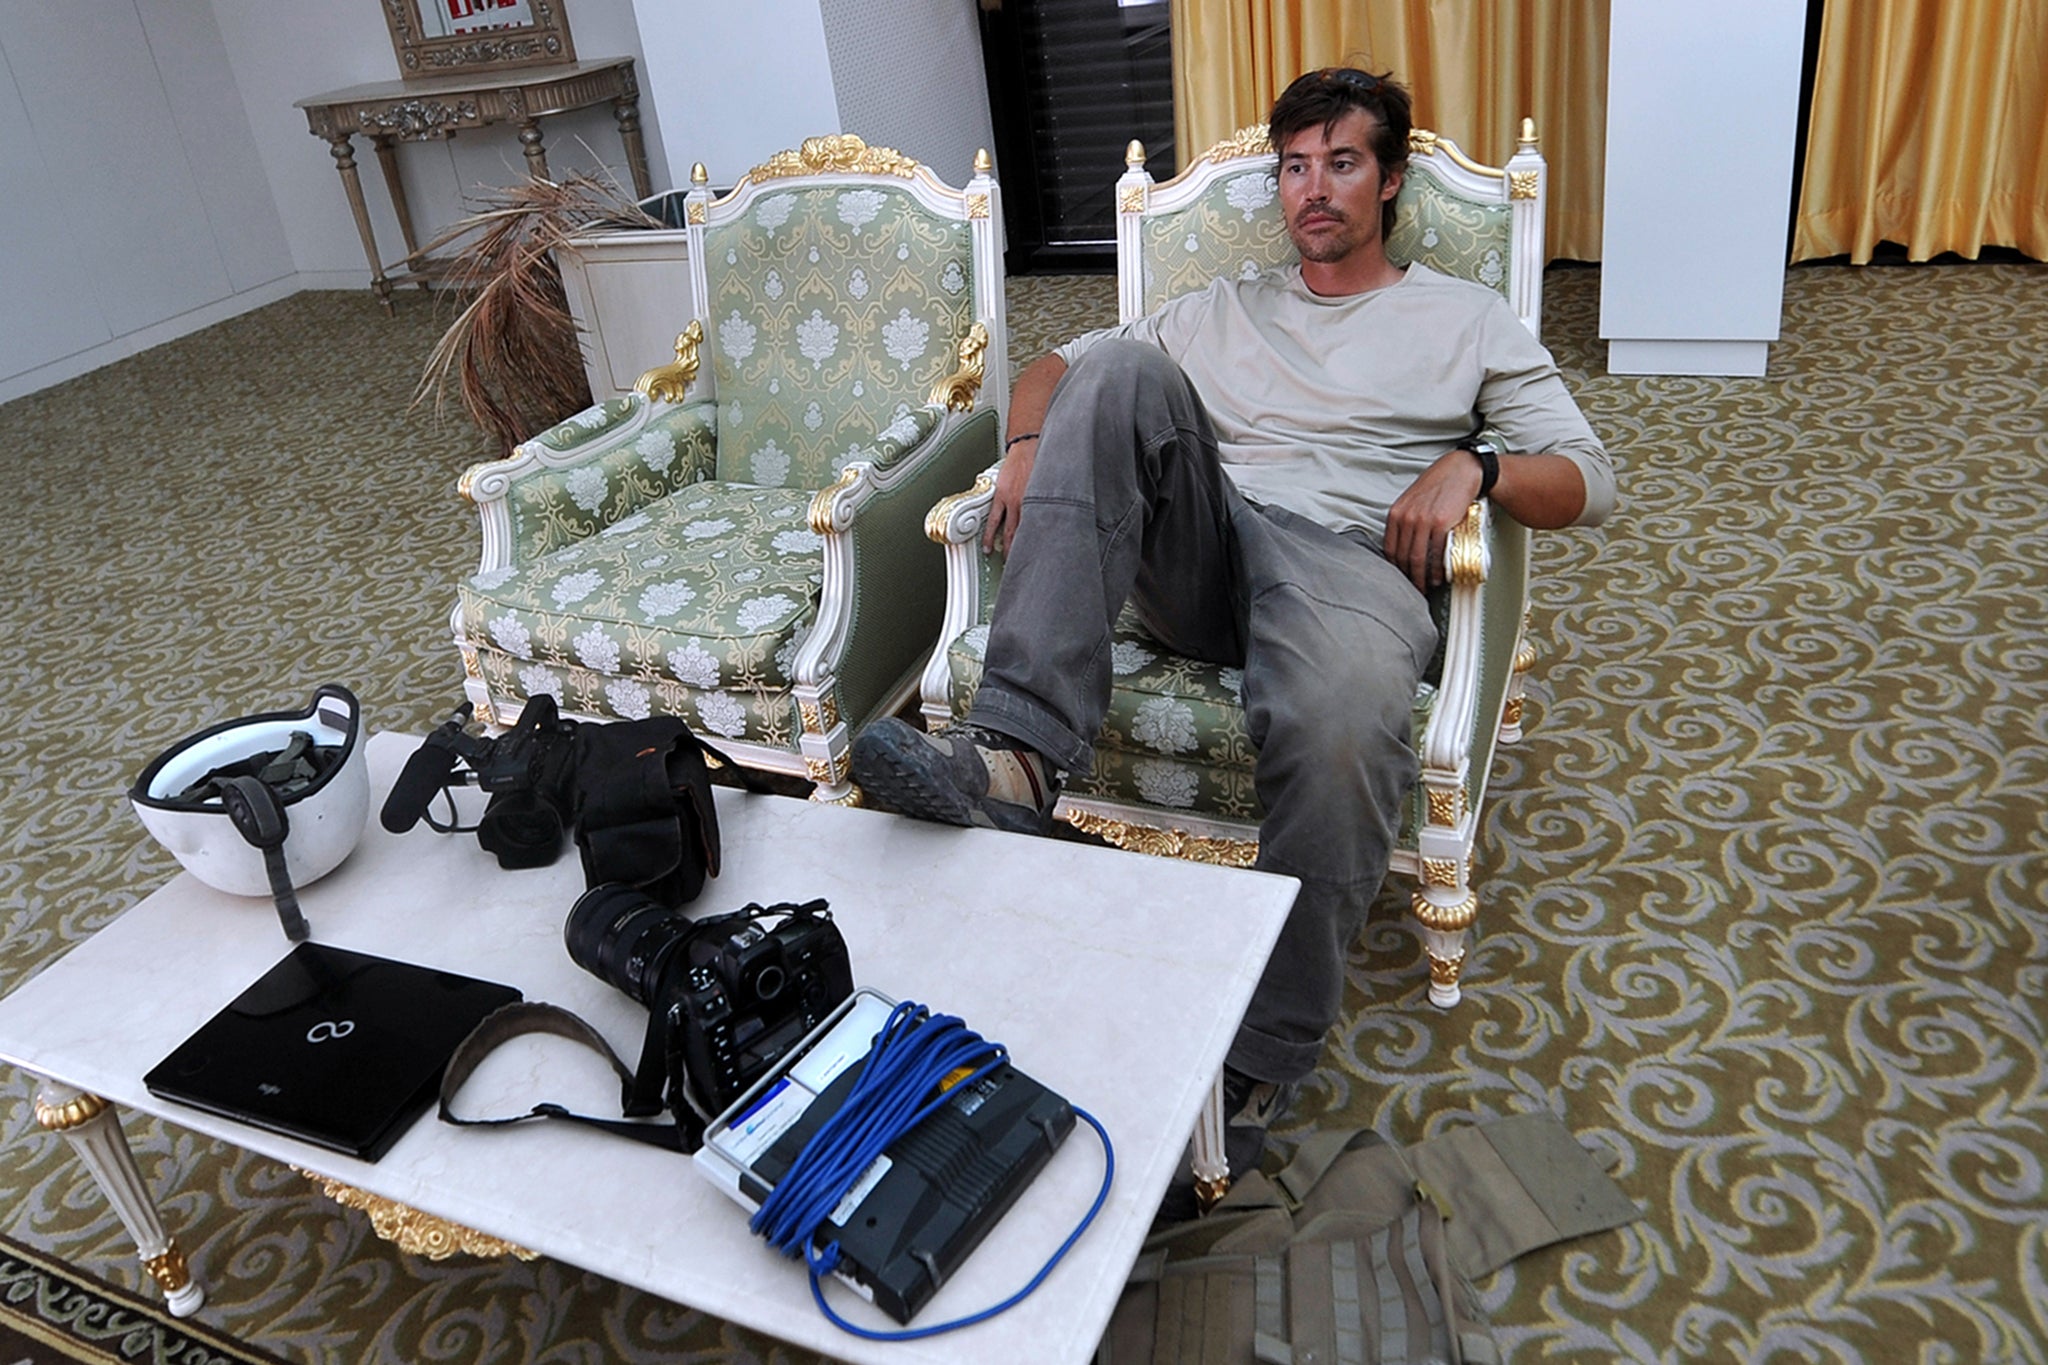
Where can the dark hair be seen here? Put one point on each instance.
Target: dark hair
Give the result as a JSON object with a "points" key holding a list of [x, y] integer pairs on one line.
{"points": [[1320, 98]]}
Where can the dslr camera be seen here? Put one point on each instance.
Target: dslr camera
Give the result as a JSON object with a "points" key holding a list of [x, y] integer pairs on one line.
{"points": [[726, 996], [529, 771]]}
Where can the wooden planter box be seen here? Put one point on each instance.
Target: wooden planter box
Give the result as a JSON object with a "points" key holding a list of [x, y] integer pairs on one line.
{"points": [[629, 291]]}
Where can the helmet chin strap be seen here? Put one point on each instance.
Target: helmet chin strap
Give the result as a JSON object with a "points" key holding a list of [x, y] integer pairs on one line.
{"points": [[261, 820]]}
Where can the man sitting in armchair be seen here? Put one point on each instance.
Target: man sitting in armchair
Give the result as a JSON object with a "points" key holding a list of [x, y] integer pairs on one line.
{"points": [[1269, 470]]}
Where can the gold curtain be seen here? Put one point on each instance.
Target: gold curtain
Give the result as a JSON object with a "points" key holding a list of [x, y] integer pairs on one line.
{"points": [[1475, 70], [1929, 128]]}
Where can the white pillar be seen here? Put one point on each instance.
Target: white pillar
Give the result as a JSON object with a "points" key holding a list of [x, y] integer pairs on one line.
{"points": [[733, 84], [1702, 115]]}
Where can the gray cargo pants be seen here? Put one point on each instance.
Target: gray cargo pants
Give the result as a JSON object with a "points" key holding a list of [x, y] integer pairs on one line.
{"points": [[1128, 500]]}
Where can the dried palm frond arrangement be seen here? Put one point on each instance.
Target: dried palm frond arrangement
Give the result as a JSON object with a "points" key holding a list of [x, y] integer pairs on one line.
{"points": [[511, 356]]}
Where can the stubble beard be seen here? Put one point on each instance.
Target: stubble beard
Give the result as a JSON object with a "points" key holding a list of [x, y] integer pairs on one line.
{"points": [[1331, 243]]}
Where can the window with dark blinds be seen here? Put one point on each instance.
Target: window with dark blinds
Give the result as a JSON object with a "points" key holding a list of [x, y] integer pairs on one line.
{"points": [[1072, 83]]}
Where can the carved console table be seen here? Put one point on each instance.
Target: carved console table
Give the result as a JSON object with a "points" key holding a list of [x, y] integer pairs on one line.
{"points": [[435, 108]]}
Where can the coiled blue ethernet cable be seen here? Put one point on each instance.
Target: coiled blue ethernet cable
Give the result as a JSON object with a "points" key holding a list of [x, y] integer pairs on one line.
{"points": [[913, 1054]]}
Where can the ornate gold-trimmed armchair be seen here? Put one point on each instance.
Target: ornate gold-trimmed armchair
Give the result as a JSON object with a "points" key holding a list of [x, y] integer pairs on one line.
{"points": [[1173, 767], [737, 543]]}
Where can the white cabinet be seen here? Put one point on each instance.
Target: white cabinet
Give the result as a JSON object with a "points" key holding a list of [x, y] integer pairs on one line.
{"points": [[1699, 183], [630, 294]]}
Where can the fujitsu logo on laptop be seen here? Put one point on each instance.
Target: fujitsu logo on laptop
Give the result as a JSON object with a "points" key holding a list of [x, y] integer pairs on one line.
{"points": [[328, 1030]]}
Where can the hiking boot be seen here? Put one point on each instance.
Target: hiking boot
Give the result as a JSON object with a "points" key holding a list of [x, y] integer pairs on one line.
{"points": [[963, 775], [1250, 1107]]}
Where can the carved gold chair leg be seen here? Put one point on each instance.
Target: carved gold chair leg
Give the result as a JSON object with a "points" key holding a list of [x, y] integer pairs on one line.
{"points": [[1445, 913], [93, 1128], [1511, 713]]}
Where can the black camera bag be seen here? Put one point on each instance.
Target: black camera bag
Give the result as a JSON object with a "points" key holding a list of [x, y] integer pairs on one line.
{"points": [[644, 812], [636, 792]]}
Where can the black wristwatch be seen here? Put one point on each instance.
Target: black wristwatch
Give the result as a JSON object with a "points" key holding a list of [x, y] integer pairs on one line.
{"points": [[1488, 455]]}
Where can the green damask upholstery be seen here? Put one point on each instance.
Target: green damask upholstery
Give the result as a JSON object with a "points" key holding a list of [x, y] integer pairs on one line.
{"points": [[693, 606], [1450, 233], [1174, 737], [1173, 764], [859, 314], [738, 543], [1234, 227], [557, 506]]}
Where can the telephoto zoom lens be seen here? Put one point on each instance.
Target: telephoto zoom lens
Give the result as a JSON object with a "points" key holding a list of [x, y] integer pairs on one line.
{"points": [[623, 937]]}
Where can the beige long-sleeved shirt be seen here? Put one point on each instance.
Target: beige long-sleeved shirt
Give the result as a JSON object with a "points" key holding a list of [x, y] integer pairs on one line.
{"points": [[1331, 407]]}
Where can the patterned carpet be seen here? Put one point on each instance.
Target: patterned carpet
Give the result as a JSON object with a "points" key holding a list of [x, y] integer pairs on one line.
{"points": [[50, 1314], [1762, 891]]}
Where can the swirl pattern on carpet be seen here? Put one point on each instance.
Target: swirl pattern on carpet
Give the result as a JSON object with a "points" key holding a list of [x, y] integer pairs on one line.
{"points": [[1762, 890]]}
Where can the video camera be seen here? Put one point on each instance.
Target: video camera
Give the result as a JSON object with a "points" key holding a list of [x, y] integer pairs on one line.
{"points": [[529, 772]]}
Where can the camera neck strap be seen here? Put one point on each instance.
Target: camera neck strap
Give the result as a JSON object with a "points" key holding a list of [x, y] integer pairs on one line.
{"points": [[532, 1016], [641, 1091]]}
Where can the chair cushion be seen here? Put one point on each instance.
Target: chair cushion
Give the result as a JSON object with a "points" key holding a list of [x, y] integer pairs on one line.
{"points": [[694, 606], [827, 305], [1175, 734]]}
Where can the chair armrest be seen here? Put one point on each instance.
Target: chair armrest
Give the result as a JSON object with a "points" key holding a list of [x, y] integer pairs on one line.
{"points": [[902, 436], [588, 473], [884, 582], [1488, 558], [972, 577]]}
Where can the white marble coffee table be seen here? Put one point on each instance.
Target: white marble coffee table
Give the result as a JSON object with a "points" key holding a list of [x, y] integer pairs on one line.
{"points": [[1115, 978]]}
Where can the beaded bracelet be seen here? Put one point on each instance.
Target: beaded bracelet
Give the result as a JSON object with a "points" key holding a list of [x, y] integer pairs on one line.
{"points": [[1023, 436]]}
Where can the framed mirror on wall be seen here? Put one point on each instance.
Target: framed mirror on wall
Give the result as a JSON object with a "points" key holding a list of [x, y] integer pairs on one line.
{"points": [[456, 37]]}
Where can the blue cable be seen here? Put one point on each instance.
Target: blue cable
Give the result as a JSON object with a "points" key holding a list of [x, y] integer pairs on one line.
{"points": [[913, 1053]]}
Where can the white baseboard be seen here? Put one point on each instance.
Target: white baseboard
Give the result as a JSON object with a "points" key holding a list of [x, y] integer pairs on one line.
{"points": [[1735, 358], [334, 279], [170, 329]]}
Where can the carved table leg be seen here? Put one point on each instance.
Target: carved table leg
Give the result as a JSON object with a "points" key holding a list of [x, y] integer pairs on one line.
{"points": [[93, 1129], [1211, 1165], [343, 151], [627, 111], [387, 162], [536, 154]]}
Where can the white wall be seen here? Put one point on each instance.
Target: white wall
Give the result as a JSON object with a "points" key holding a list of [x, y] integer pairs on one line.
{"points": [[134, 208], [287, 52], [932, 107], [735, 83], [155, 177], [158, 178], [1702, 115]]}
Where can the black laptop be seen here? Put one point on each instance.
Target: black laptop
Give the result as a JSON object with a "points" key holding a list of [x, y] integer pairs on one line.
{"points": [[332, 1047]]}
